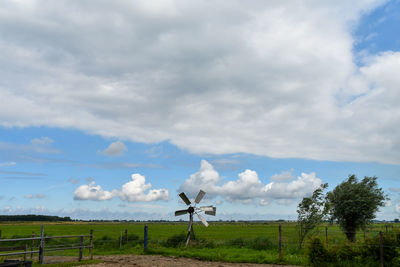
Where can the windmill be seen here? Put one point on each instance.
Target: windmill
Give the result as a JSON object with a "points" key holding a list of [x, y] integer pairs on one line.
{"points": [[209, 210]]}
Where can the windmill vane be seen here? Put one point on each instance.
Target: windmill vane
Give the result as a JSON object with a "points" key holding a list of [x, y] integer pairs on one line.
{"points": [[209, 210]]}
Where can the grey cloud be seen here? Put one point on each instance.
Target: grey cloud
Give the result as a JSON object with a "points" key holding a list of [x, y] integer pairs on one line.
{"points": [[121, 165], [266, 78], [73, 181], [394, 189], [22, 178], [115, 149], [34, 196], [22, 173], [9, 163], [35, 147]]}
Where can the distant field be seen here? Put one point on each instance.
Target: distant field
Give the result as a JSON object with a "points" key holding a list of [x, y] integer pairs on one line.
{"points": [[234, 241]]}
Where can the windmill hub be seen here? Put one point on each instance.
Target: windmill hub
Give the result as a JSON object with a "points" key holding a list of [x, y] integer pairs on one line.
{"points": [[209, 210]]}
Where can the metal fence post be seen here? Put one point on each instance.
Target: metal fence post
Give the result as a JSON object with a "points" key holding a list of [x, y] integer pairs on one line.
{"points": [[41, 246], [145, 237], [91, 244], [381, 248], [81, 249], [280, 242]]}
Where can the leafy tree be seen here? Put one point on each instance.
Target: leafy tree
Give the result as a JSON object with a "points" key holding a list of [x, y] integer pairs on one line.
{"points": [[353, 204], [311, 211]]}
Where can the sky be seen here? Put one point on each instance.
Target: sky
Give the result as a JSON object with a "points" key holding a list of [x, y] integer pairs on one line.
{"points": [[110, 109]]}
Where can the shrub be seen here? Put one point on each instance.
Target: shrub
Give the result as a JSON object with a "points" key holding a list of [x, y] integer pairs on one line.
{"points": [[133, 237], [175, 240], [345, 252], [317, 253], [371, 249]]}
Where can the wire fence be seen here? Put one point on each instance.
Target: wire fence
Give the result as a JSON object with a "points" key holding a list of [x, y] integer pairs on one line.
{"points": [[280, 239], [38, 245]]}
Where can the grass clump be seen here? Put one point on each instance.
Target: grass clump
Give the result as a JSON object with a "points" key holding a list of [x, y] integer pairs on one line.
{"points": [[175, 241]]}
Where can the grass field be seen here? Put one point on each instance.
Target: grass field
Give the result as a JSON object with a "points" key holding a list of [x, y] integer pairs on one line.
{"points": [[234, 241]]}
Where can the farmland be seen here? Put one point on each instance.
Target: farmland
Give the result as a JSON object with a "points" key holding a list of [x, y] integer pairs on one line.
{"points": [[221, 241]]}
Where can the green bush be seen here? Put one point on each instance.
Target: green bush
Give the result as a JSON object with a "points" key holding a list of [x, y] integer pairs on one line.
{"points": [[345, 252], [133, 237], [175, 240], [371, 249], [317, 253]]}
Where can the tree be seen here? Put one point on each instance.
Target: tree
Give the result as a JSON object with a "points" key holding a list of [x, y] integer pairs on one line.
{"points": [[311, 211], [353, 204]]}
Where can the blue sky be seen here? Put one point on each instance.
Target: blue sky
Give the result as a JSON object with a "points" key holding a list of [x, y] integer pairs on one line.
{"points": [[109, 110]]}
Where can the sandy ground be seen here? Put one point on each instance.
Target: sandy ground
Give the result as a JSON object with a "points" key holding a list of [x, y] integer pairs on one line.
{"points": [[156, 260]]}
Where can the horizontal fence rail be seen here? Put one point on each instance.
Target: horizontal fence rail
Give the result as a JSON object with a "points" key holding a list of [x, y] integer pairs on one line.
{"points": [[42, 249]]}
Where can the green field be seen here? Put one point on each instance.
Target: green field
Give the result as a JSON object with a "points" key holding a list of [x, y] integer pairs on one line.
{"points": [[234, 241]]}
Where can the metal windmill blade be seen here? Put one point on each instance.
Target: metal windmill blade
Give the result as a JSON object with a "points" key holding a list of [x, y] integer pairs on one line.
{"points": [[209, 210], [185, 198], [180, 212], [200, 196], [212, 212]]}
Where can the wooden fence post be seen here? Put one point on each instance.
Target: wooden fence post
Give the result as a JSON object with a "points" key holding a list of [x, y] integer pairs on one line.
{"points": [[120, 241], [381, 248], [81, 249], [0, 233], [126, 236], [41, 245], [280, 242], [326, 235], [26, 249], [145, 237], [32, 244], [91, 244]]}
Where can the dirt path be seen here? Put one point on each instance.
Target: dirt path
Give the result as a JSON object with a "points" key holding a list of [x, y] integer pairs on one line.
{"points": [[156, 260]]}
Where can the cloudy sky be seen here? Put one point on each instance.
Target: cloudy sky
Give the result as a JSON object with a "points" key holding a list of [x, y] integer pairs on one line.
{"points": [[109, 109]]}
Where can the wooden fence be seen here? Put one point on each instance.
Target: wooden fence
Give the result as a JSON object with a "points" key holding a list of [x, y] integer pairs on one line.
{"points": [[42, 249]]}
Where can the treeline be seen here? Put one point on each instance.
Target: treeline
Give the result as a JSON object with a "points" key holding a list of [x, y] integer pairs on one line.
{"points": [[33, 218]]}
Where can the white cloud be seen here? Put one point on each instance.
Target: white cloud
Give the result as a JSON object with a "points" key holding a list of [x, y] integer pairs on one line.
{"points": [[248, 187], [115, 149], [284, 176], [6, 164], [206, 179], [92, 192], [273, 78], [32, 196], [7, 209], [42, 141], [73, 181], [135, 190]]}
